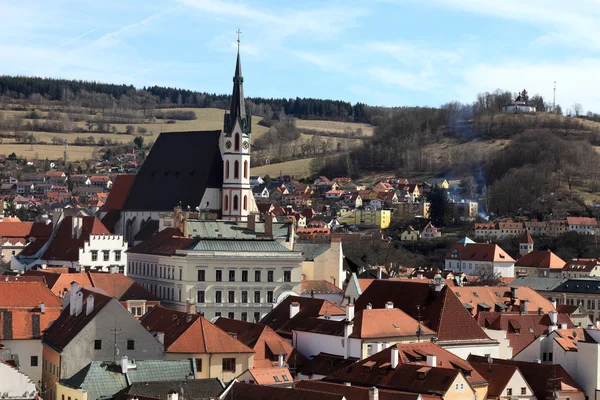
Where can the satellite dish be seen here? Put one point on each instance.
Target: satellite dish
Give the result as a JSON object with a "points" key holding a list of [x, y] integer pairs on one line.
{"points": [[52, 165]]}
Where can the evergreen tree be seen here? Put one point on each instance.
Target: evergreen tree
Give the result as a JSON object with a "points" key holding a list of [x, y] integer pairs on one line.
{"points": [[439, 206]]}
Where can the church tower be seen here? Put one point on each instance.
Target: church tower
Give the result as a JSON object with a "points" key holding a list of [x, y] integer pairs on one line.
{"points": [[525, 243], [236, 195]]}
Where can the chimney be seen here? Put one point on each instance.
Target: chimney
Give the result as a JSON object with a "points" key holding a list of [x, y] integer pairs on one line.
{"points": [[419, 276], [431, 360], [42, 308], [280, 361], [251, 222], [524, 306], [268, 225], [350, 312], [514, 293], [389, 304], [72, 297], [373, 393], [552, 328], [379, 273], [76, 226], [160, 336], [294, 309], [597, 324], [89, 306], [124, 364], [188, 318], [369, 306], [563, 326], [190, 308], [347, 384], [554, 304], [540, 310], [553, 317], [394, 359], [172, 395]]}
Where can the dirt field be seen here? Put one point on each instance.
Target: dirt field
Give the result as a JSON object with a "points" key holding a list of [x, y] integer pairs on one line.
{"points": [[334, 126], [297, 168], [48, 151]]}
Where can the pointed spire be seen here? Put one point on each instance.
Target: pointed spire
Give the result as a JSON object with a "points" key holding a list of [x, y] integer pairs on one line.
{"points": [[526, 237], [237, 110]]}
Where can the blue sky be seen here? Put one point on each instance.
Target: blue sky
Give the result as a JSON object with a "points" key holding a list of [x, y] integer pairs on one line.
{"points": [[386, 52]]}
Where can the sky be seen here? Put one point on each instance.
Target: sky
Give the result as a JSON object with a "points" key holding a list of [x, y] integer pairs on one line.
{"points": [[379, 52]]}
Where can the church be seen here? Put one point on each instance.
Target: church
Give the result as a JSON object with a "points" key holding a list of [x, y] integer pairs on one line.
{"points": [[204, 171]]}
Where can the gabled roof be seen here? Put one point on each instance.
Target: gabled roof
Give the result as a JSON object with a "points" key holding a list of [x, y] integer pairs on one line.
{"points": [[263, 340], [165, 181], [15, 229], [121, 287], [542, 378], [521, 329], [190, 333], [64, 246], [310, 251], [376, 370], [102, 379], [582, 221], [279, 318], [441, 311], [271, 375], [194, 388], [246, 391], [502, 295], [385, 323], [478, 252], [498, 377], [21, 316], [119, 192], [325, 364], [68, 326], [320, 287], [357, 392], [568, 338], [581, 265], [526, 237], [540, 259]]}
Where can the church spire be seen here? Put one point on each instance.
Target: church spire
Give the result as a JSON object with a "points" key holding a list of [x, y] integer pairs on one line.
{"points": [[237, 110]]}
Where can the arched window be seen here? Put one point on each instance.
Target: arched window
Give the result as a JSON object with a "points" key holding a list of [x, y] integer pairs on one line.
{"points": [[236, 169], [226, 205], [227, 169], [236, 145], [246, 169], [245, 203], [235, 202]]}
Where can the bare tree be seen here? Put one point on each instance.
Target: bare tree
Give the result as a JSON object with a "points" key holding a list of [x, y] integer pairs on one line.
{"points": [[577, 108]]}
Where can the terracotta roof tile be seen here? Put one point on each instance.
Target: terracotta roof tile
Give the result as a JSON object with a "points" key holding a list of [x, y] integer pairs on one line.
{"points": [[266, 376], [542, 378], [581, 265], [497, 376], [15, 229], [385, 323], [165, 242], [540, 259], [279, 318], [119, 192], [246, 391], [358, 392], [325, 364], [442, 311], [64, 246], [479, 252], [494, 296], [526, 237], [190, 333], [582, 221], [320, 287]]}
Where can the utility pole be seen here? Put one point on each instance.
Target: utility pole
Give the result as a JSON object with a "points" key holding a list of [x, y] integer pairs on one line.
{"points": [[116, 332]]}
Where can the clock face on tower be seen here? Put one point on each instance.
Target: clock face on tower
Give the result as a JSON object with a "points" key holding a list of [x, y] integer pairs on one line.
{"points": [[228, 144], [246, 144]]}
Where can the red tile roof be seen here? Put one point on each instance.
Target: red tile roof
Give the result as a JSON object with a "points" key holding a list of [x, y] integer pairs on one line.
{"points": [[581, 265], [540, 259], [498, 377], [121, 287], [119, 192], [478, 252], [15, 229], [582, 221], [246, 391], [494, 296], [279, 318], [526, 237], [376, 370], [263, 340], [358, 392], [320, 287], [441, 311], [190, 333], [325, 364], [521, 329], [542, 378], [64, 246], [385, 323], [165, 242]]}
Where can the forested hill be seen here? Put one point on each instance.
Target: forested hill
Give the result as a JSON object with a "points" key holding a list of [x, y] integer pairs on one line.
{"points": [[19, 87]]}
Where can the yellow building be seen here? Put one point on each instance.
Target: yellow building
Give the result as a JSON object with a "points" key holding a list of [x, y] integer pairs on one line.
{"points": [[410, 234], [379, 218]]}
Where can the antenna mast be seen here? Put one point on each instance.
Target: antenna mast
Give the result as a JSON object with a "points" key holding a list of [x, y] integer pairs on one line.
{"points": [[554, 98]]}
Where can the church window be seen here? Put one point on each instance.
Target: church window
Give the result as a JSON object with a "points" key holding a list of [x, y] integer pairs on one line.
{"points": [[235, 202], [226, 205], [227, 169], [236, 169], [246, 169], [237, 142], [245, 203]]}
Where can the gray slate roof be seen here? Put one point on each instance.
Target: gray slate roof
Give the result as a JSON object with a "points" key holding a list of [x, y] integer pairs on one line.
{"points": [[310, 251], [103, 379], [560, 285], [543, 284], [208, 229], [192, 389], [239, 245]]}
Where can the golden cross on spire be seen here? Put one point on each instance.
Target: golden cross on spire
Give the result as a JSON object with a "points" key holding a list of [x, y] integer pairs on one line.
{"points": [[238, 39]]}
